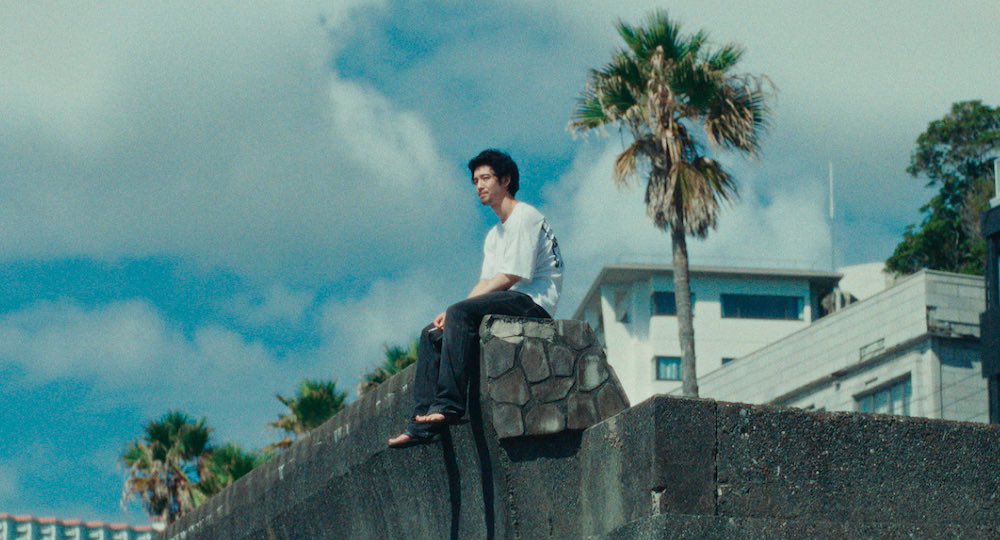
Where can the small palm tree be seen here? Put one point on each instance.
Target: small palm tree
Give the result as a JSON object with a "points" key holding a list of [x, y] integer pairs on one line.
{"points": [[228, 463], [315, 401], [396, 359], [662, 87], [168, 466]]}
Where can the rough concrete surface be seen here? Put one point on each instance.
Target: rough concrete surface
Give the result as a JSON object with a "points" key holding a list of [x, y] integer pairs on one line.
{"points": [[666, 468], [685, 527]]}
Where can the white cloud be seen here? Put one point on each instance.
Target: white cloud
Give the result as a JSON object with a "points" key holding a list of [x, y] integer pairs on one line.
{"points": [[134, 357], [858, 82], [599, 224], [392, 312], [277, 305], [216, 134]]}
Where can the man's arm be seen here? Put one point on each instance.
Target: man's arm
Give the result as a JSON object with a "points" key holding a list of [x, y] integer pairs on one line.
{"points": [[499, 282]]}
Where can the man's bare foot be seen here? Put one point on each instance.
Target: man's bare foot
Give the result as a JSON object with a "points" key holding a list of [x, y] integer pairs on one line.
{"points": [[405, 440], [400, 440], [433, 418]]}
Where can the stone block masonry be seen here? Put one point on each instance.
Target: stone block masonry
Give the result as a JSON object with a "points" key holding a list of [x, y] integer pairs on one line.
{"points": [[665, 468], [545, 377]]}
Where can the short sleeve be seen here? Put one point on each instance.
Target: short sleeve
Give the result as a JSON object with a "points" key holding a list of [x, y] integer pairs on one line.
{"points": [[520, 248], [489, 256]]}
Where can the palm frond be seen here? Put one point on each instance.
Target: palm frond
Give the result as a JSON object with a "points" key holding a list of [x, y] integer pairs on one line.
{"points": [[659, 32], [315, 402], [725, 58], [164, 463], [739, 114], [660, 87], [626, 163]]}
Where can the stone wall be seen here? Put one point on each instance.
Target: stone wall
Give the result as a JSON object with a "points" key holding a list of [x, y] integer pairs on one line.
{"points": [[668, 467], [546, 377]]}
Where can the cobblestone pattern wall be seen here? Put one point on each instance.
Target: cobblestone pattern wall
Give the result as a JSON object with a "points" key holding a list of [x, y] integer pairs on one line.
{"points": [[546, 377]]}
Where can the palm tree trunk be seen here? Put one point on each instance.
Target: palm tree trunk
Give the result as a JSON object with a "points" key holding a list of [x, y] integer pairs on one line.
{"points": [[682, 297]]}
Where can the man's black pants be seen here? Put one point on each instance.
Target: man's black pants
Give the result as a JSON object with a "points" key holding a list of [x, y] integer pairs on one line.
{"points": [[442, 380]]}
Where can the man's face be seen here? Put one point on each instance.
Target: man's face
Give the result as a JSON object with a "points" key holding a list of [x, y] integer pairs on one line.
{"points": [[489, 188]]}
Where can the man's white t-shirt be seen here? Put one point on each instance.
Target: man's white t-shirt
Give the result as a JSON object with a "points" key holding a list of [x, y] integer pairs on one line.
{"points": [[525, 246]]}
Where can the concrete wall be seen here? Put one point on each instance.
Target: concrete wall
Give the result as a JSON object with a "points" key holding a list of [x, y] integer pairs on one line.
{"points": [[784, 472], [964, 394], [341, 481], [666, 467]]}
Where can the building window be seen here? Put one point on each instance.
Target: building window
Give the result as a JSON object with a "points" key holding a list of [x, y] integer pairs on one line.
{"points": [[761, 306], [891, 399], [727, 359], [665, 303], [668, 368]]}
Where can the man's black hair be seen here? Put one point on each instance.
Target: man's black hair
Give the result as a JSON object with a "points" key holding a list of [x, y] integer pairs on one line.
{"points": [[501, 163]]}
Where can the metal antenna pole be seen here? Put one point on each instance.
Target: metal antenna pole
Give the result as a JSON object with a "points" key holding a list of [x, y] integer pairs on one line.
{"points": [[833, 243]]}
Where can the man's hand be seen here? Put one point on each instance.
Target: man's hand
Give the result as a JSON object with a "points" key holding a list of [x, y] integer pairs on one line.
{"points": [[439, 322]]}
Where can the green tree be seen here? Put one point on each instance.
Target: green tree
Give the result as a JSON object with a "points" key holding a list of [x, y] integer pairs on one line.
{"points": [[955, 153], [315, 402], [227, 464], [396, 359], [173, 468], [672, 92], [167, 465]]}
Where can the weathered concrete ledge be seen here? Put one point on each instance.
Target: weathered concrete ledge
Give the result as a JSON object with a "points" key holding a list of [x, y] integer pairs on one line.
{"points": [[675, 456], [668, 467], [687, 527]]}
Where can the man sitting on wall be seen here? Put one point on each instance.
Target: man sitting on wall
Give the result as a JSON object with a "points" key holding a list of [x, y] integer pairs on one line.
{"points": [[521, 276]]}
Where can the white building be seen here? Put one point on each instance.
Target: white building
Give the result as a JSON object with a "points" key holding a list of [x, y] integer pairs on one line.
{"points": [[912, 349], [46, 528], [736, 311]]}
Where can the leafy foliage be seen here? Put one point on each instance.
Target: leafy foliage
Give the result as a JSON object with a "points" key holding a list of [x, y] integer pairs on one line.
{"points": [[229, 463], [662, 87], [173, 468], [955, 153], [315, 402], [396, 359]]}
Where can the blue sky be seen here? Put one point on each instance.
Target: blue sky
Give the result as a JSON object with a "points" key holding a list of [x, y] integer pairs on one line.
{"points": [[204, 203]]}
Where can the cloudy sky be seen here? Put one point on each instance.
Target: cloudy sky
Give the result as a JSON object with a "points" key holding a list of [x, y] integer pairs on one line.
{"points": [[204, 202]]}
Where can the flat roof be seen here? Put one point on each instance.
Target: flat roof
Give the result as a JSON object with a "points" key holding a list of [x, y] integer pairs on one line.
{"points": [[630, 272]]}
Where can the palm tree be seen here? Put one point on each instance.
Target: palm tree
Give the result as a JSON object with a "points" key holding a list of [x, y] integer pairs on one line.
{"points": [[315, 401], [168, 466], [227, 464], [396, 359], [661, 87]]}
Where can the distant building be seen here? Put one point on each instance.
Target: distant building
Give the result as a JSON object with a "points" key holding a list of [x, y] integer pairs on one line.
{"points": [[913, 349], [991, 316], [736, 311], [46, 528]]}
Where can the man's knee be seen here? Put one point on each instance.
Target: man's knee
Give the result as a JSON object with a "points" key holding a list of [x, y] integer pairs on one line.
{"points": [[457, 311]]}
